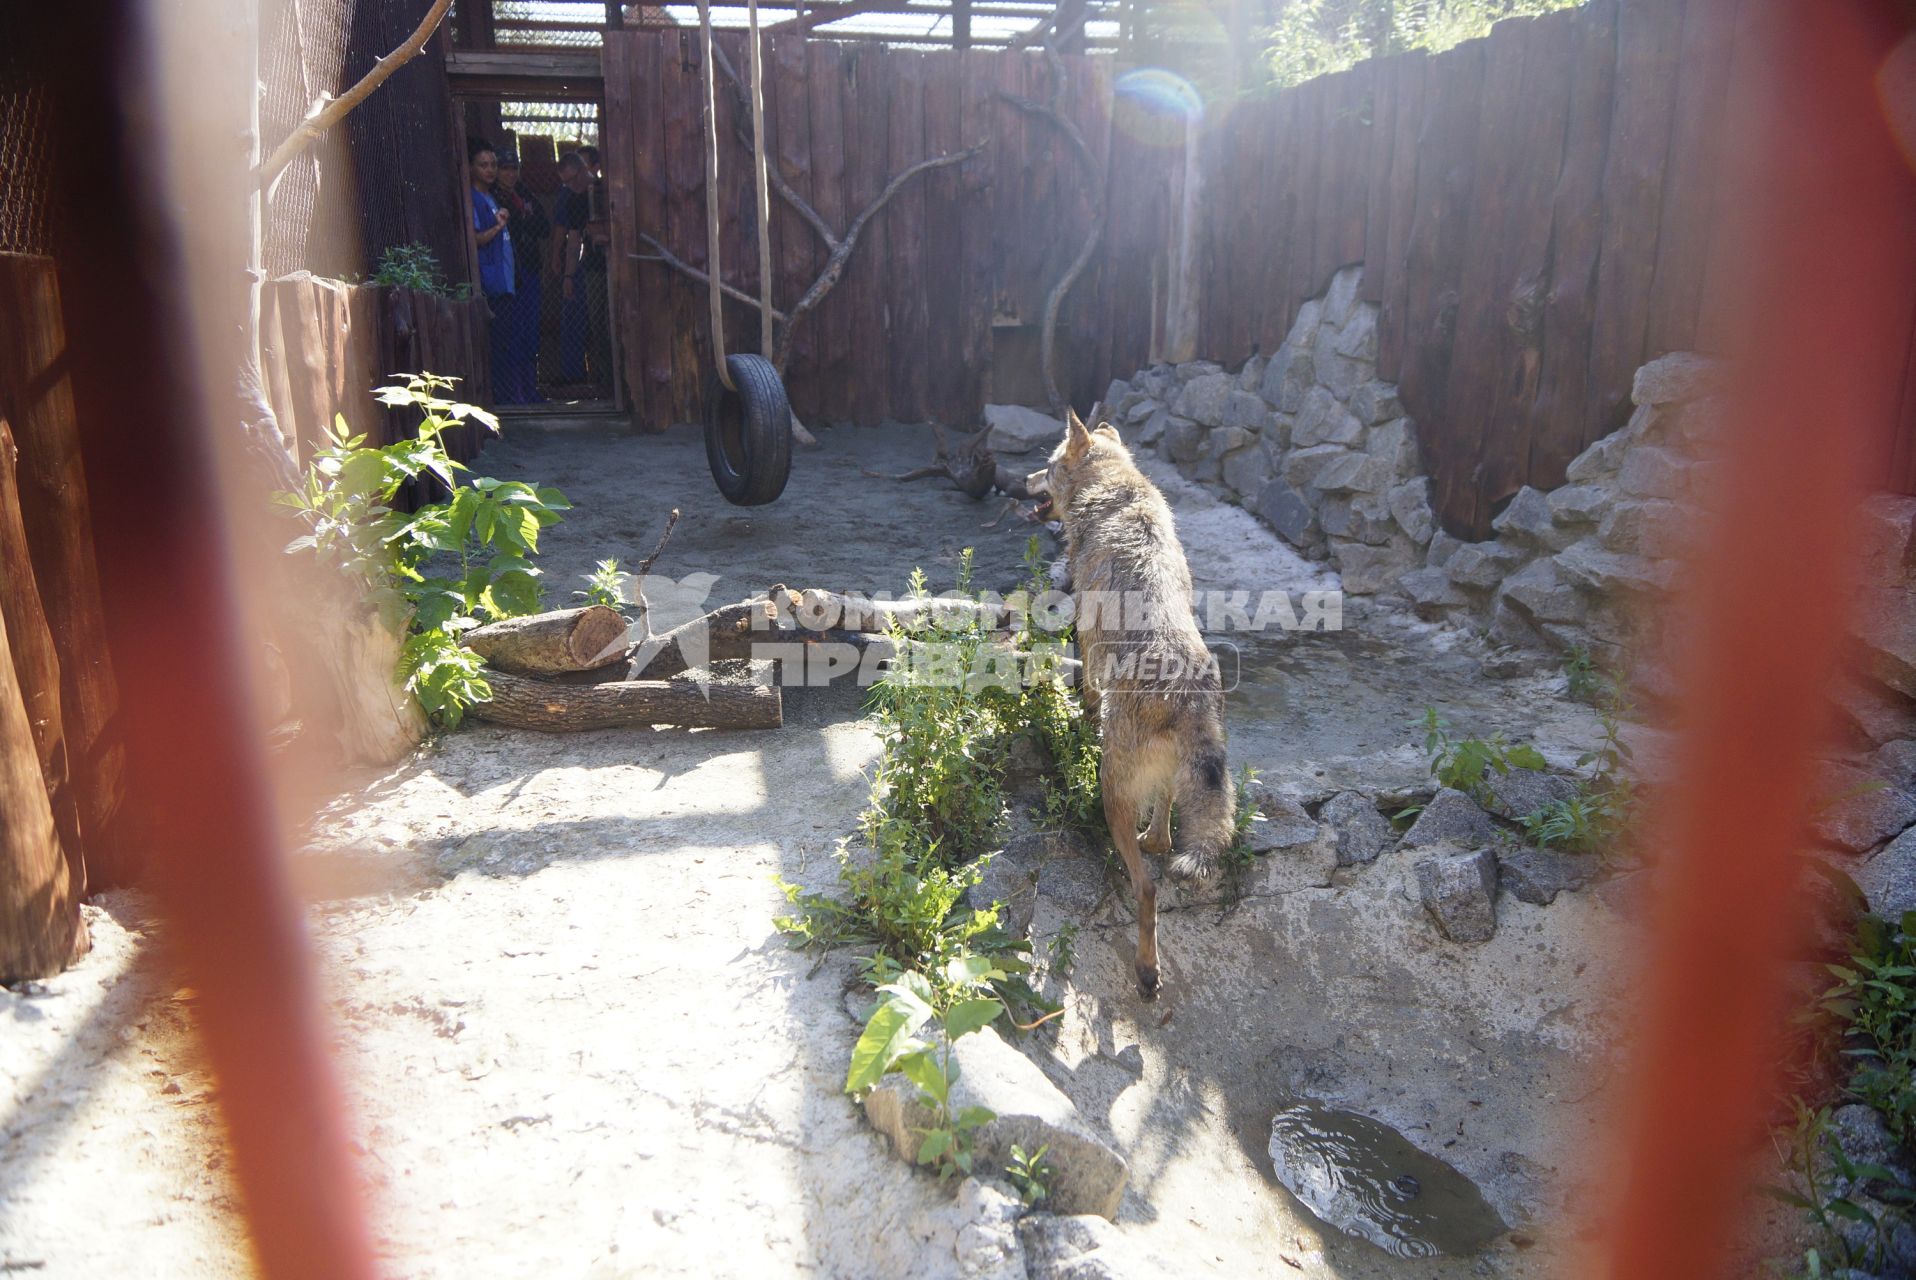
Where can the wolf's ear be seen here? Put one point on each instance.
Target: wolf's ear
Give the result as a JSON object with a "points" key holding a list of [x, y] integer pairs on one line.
{"points": [[1076, 438], [1105, 429]]}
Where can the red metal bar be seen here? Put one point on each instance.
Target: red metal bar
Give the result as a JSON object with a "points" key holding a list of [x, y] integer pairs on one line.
{"points": [[1831, 267]]}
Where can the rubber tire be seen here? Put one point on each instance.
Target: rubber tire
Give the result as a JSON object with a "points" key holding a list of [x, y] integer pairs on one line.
{"points": [[748, 432]]}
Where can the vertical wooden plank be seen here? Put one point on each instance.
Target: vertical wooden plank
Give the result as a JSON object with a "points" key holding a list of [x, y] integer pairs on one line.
{"points": [[831, 321], [688, 340], [657, 282], [1649, 42], [1523, 257], [279, 385], [795, 245], [1009, 210], [943, 267], [867, 106], [906, 302], [1738, 179], [1087, 357], [1386, 74], [1300, 266], [1576, 231], [620, 155], [1439, 235], [1406, 130], [1238, 182], [1340, 215], [1709, 30], [980, 113], [1277, 199], [1469, 382]]}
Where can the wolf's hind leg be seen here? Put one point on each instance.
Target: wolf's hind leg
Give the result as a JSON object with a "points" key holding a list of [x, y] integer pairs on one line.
{"points": [[1121, 815]]}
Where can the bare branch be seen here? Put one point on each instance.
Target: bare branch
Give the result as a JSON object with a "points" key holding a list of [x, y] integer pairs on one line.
{"points": [[677, 263], [325, 114]]}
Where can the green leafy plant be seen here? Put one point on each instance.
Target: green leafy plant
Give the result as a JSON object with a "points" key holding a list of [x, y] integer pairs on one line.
{"points": [[438, 570], [1874, 999], [1246, 817], [1595, 819], [1584, 680], [1465, 763], [953, 1000], [1063, 948], [412, 266], [1828, 1178], [604, 586], [1030, 1173]]}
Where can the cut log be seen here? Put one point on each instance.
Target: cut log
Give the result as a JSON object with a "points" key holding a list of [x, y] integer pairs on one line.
{"points": [[819, 610], [725, 634], [36, 664], [738, 695], [379, 722], [40, 925], [548, 643]]}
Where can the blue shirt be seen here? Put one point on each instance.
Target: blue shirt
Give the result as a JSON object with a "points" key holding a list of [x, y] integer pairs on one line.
{"points": [[495, 255]]}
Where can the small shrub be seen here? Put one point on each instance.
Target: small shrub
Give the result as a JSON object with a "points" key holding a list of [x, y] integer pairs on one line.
{"points": [[1874, 1000], [1465, 763], [1812, 1153], [412, 266], [1063, 948], [603, 586], [1584, 681], [1030, 1173]]}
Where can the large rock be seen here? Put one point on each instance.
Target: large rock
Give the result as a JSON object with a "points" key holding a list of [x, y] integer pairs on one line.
{"points": [[1012, 428], [1652, 472], [1301, 465], [1323, 420], [1364, 518], [1336, 372], [1543, 595], [1677, 377], [1366, 569], [1895, 763], [1288, 378], [1579, 504], [1353, 473], [1522, 791], [1867, 814], [1286, 511], [1340, 299], [1204, 399], [1646, 527], [1482, 564], [1184, 439], [1030, 1112], [1394, 444], [1886, 629], [1459, 890], [1246, 412], [1376, 402], [1078, 883], [1587, 564], [1452, 818], [1285, 824], [1362, 832], [1191, 370], [1599, 462], [1431, 592], [1246, 470], [1888, 880], [1527, 518], [1151, 429], [1539, 875], [1251, 376], [1410, 507]]}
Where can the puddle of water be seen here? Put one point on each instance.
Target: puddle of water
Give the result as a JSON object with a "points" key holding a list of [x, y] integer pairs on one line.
{"points": [[1367, 1180]]}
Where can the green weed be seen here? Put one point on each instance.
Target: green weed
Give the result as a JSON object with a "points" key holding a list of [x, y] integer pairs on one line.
{"points": [[1465, 763], [1030, 1173], [412, 266]]}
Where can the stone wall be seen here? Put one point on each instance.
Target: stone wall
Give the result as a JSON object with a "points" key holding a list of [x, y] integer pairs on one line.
{"points": [[1322, 451]]}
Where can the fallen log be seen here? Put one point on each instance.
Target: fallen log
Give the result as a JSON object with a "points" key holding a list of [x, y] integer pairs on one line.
{"points": [[819, 610], [547, 643], [724, 635], [739, 695]]}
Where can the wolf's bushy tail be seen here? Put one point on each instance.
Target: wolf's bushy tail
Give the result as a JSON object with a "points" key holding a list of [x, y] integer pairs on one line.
{"points": [[1206, 809]]}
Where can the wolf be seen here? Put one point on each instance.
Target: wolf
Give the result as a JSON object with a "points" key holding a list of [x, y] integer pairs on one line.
{"points": [[1149, 681]]}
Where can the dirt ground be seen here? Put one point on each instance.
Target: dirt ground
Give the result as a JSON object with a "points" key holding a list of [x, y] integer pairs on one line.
{"points": [[577, 1046]]}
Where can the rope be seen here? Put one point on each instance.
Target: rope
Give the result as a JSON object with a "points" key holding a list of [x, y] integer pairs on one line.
{"points": [[714, 298], [714, 285]]}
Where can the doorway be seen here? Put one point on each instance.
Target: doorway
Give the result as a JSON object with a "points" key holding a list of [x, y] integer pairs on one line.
{"points": [[554, 339]]}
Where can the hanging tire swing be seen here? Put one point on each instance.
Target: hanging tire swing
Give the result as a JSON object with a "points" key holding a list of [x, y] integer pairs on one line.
{"points": [[748, 420]]}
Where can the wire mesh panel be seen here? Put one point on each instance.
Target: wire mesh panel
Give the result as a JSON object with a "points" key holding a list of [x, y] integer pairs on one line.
{"points": [[311, 213], [26, 175]]}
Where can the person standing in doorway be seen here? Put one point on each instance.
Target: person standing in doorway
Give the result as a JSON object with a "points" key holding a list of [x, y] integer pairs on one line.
{"points": [[585, 337], [517, 382], [494, 240]]}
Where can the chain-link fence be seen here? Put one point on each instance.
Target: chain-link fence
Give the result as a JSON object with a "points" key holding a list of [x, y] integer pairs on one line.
{"points": [[311, 213], [26, 170]]}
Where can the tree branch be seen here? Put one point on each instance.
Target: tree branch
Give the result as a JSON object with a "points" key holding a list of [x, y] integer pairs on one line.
{"points": [[326, 113], [741, 126], [677, 263]]}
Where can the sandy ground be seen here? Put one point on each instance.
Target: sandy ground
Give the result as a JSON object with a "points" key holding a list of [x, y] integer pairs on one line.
{"points": [[577, 1046]]}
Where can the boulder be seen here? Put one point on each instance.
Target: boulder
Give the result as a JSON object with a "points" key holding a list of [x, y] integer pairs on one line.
{"points": [[1322, 420], [1362, 832], [1140, 410], [1191, 370], [1647, 526], [1538, 875], [1599, 462], [1886, 630], [1895, 763], [1152, 429], [1115, 394], [1285, 824], [1286, 511], [1251, 376], [1888, 879], [1442, 547], [1542, 593], [1652, 472], [1577, 504], [1528, 519], [1012, 428], [1431, 592], [1204, 398], [1340, 299], [1394, 444], [1301, 465], [1410, 508], [1482, 564], [1244, 411], [1451, 817], [1587, 564], [1246, 471], [1521, 791], [1352, 473], [1364, 518], [1366, 569], [1030, 1112], [1459, 890], [1867, 814], [1677, 377], [1338, 373], [1514, 631], [1184, 439], [1376, 402], [1288, 378]]}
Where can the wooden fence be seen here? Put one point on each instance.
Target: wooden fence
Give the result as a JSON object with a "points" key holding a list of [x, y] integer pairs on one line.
{"points": [[937, 310], [326, 345]]}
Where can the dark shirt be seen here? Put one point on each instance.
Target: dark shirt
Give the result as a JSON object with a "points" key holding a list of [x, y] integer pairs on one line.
{"points": [[530, 229], [574, 212]]}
